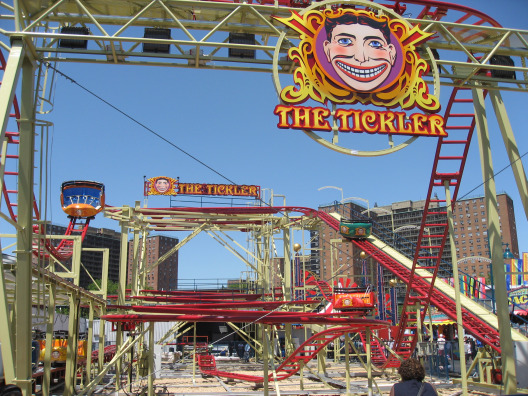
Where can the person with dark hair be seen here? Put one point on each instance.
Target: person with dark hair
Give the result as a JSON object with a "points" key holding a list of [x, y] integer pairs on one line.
{"points": [[359, 49], [412, 375]]}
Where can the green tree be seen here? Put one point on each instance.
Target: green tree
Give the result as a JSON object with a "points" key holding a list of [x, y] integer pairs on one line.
{"points": [[111, 287]]}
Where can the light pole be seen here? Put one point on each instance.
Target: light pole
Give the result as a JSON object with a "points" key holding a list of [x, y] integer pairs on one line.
{"points": [[343, 200], [337, 188]]}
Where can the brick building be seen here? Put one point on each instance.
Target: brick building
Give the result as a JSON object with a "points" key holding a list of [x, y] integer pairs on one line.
{"points": [[335, 256], [165, 275]]}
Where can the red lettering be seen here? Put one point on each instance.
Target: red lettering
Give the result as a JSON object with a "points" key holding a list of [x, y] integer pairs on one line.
{"points": [[436, 125], [342, 117], [282, 111], [404, 127], [369, 121], [319, 122], [418, 124], [386, 120]]}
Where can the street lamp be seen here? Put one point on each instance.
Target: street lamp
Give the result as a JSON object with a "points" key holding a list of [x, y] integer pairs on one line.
{"points": [[337, 188], [343, 200], [507, 253]]}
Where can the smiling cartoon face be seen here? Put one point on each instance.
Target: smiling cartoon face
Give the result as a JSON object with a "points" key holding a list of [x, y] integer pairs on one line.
{"points": [[162, 185], [360, 54]]}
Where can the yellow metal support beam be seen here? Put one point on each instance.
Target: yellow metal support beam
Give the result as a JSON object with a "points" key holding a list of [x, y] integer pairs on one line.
{"points": [[495, 245]]}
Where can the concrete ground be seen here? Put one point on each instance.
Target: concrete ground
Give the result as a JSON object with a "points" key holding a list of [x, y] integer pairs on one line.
{"points": [[178, 379]]}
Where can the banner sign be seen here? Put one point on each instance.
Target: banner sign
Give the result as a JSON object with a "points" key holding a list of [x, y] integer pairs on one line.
{"points": [[516, 272], [163, 185], [519, 297], [349, 56]]}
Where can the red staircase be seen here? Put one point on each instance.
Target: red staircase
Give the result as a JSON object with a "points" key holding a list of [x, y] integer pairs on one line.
{"points": [[324, 287], [448, 166], [292, 364]]}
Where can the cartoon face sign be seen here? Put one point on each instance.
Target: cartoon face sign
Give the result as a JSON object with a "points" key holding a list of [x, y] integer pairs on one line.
{"points": [[349, 56], [359, 50], [360, 231], [162, 185]]}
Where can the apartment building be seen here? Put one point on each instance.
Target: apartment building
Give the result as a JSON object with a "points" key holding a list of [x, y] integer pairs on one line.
{"points": [[165, 275], [334, 256]]}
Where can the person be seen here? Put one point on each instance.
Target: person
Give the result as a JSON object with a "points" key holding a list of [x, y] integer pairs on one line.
{"points": [[162, 185], [473, 348], [441, 344], [412, 375], [247, 348], [467, 350], [360, 51]]}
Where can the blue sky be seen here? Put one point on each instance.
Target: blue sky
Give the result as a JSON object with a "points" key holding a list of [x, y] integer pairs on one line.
{"points": [[226, 119]]}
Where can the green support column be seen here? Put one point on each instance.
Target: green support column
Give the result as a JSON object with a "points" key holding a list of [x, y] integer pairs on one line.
{"points": [[71, 350], [194, 354], [321, 360], [265, 359], [89, 342], [495, 244], [135, 264], [151, 360], [368, 332], [458, 306], [347, 361], [123, 257], [288, 287], [143, 260], [121, 291], [261, 284], [46, 380], [287, 265], [100, 355], [24, 253]]}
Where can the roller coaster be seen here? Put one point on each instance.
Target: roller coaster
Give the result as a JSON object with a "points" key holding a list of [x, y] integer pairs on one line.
{"points": [[487, 49]]}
